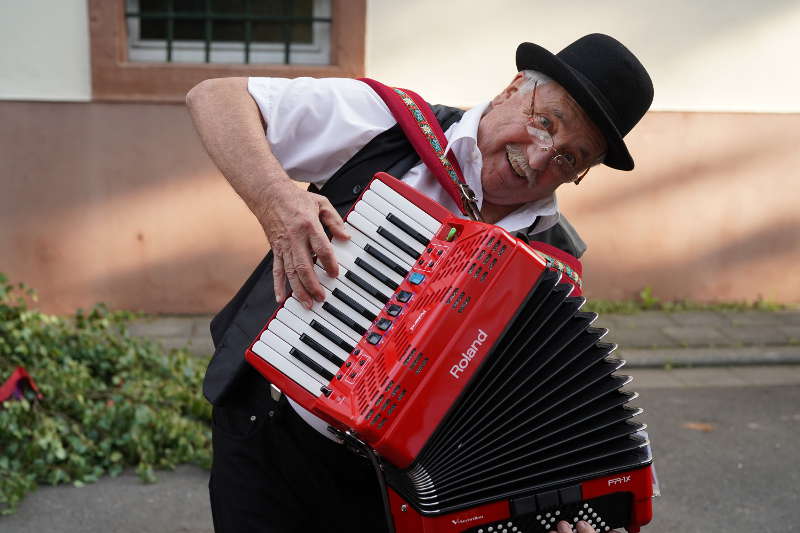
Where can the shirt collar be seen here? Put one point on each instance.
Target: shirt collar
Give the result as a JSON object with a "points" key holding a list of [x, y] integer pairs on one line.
{"points": [[462, 140]]}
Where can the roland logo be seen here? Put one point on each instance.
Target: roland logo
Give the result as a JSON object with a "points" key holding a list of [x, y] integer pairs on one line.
{"points": [[458, 521], [468, 355], [619, 480]]}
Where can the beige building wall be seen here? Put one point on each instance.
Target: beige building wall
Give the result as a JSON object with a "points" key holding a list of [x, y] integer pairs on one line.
{"points": [[119, 203], [45, 50], [714, 55]]}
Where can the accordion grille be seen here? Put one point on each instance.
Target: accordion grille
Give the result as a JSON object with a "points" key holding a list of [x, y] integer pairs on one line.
{"points": [[545, 410]]}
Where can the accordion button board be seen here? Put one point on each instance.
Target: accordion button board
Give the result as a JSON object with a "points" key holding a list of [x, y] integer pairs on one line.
{"points": [[452, 350]]}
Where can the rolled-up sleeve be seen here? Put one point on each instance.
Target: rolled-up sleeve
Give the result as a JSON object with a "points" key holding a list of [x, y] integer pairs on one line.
{"points": [[314, 125]]}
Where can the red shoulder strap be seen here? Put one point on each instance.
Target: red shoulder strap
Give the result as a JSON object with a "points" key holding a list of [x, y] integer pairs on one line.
{"points": [[566, 263], [418, 122]]}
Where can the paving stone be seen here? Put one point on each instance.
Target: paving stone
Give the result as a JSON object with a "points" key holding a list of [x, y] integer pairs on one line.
{"points": [[645, 319], [769, 375], [166, 326], [650, 378], [713, 376], [709, 319], [753, 318], [201, 324], [200, 346], [706, 356], [793, 332], [633, 337], [606, 321], [756, 335], [696, 336], [791, 318]]}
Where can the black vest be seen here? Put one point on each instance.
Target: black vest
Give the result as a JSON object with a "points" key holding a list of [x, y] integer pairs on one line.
{"points": [[229, 379]]}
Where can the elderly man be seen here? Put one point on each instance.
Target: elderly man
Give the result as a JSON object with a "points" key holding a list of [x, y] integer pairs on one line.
{"points": [[275, 467]]}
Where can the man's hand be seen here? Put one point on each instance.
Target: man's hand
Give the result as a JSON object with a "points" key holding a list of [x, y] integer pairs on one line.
{"points": [[582, 527], [294, 222], [229, 123]]}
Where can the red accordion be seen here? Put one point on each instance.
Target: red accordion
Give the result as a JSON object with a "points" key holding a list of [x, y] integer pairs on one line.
{"points": [[459, 355]]}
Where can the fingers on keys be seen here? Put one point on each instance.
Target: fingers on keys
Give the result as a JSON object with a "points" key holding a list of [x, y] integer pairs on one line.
{"points": [[296, 264], [331, 219], [582, 527]]}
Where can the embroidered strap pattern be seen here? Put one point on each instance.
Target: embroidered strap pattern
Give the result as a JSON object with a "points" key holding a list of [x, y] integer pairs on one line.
{"points": [[562, 267], [426, 129]]}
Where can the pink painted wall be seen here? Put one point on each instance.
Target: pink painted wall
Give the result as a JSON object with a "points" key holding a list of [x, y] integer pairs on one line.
{"points": [[119, 203]]}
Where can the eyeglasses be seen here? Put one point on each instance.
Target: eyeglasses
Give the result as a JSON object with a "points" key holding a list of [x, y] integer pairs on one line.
{"points": [[538, 127]]}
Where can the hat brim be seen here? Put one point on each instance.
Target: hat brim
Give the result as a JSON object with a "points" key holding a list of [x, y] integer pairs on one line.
{"points": [[533, 57]]}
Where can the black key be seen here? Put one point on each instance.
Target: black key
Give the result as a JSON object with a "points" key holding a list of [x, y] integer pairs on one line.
{"points": [[310, 363], [377, 274], [403, 296], [374, 252], [354, 305], [331, 336], [389, 236], [383, 324], [349, 322], [320, 349], [414, 234], [364, 284], [394, 310]]}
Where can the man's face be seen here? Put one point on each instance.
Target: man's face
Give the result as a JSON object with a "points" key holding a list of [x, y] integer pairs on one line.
{"points": [[516, 169]]}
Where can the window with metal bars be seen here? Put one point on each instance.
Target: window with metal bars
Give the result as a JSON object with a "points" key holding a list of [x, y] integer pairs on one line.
{"points": [[289, 32]]}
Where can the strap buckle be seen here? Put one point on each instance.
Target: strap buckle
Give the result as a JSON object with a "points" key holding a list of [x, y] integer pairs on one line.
{"points": [[469, 200]]}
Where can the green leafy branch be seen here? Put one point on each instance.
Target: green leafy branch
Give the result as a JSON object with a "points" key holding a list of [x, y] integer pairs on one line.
{"points": [[111, 400]]}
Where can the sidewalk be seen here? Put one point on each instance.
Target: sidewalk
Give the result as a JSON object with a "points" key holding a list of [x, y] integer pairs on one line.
{"points": [[748, 418], [745, 405], [645, 339]]}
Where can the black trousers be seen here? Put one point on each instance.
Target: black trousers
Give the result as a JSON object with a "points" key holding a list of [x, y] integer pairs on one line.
{"points": [[273, 473]]}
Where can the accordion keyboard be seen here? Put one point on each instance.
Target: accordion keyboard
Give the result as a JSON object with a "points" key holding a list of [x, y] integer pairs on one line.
{"points": [[388, 236]]}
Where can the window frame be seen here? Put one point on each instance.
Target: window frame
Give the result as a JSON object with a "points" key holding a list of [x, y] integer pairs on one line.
{"points": [[115, 78]]}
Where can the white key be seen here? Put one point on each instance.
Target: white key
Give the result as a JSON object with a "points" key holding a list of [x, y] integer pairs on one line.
{"points": [[300, 327], [362, 241], [395, 198], [288, 368], [357, 252], [382, 206], [371, 231], [283, 348], [348, 262], [307, 316], [292, 338], [371, 214], [351, 289]]}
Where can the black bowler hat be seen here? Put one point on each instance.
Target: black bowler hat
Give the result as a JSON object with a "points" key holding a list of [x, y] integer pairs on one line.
{"points": [[605, 78]]}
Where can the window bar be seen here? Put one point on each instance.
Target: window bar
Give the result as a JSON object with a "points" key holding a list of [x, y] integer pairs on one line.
{"points": [[208, 31], [287, 31], [248, 31], [170, 28]]}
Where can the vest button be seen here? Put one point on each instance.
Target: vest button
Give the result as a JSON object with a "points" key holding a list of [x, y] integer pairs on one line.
{"points": [[358, 188]]}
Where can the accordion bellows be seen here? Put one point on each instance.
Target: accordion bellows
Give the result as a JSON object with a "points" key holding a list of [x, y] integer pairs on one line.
{"points": [[545, 410]]}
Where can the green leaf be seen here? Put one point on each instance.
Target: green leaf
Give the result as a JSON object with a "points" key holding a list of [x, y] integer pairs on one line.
{"points": [[111, 401]]}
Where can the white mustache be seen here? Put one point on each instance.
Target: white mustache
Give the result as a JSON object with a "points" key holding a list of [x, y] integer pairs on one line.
{"points": [[519, 163]]}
